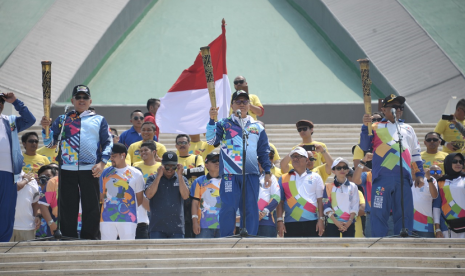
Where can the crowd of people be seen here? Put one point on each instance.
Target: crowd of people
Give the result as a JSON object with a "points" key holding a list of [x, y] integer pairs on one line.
{"points": [[91, 183]]}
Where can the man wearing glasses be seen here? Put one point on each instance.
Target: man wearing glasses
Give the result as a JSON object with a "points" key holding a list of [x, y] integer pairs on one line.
{"points": [[85, 149], [167, 191], [228, 133], [133, 134], [32, 160], [386, 186], [301, 199], [256, 107], [455, 140], [432, 155], [11, 159], [305, 130]]}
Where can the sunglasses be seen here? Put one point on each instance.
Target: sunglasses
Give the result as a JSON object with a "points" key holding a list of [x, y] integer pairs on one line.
{"points": [[435, 171], [400, 107], [113, 136], [297, 157], [238, 82], [137, 118], [182, 143], [81, 97], [341, 168], [33, 141], [432, 140], [312, 159], [214, 161], [244, 102], [299, 129], [376, 120], [170, 167], [457, 161]]}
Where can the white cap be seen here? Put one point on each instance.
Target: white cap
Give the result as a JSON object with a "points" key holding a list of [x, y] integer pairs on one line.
{"points": [[300, 151], [339, 160]]}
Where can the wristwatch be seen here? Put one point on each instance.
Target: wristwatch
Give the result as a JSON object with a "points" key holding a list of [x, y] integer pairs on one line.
{"points": [[268, 173], [280, 219], [430, 180], [363, 162], [50, 222], [322, 218], [195, 216], [360, 166]]}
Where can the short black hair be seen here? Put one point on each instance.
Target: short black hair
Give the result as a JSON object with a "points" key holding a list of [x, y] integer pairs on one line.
{"points": [[26, 135], [460, 103], [150, 144], [114, 129], [137, 110], [53, 169], [432, 132], [183, 135], [154, 127], [151, 102]]}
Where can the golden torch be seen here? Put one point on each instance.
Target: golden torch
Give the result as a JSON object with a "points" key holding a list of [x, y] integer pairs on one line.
{"points": [[47, 92], [207, 66], [366, 83]]}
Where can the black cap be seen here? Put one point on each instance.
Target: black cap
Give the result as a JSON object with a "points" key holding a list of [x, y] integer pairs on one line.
{"points": [[392, 98], [81, 89], [169, 158], [2, 100], [239, 93], [119, 148], [272, 150], [210, 156]]}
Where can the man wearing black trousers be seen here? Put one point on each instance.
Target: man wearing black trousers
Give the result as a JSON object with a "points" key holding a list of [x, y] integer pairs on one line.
{"points": [[85, 149]]}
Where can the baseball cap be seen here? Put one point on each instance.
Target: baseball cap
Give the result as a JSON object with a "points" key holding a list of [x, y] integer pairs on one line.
{"points": [[169, 158], [119, 148], [302, 123], [339, 160], [81, 89], [392, 98], [300, 151], [239, 93], [210, 156]]}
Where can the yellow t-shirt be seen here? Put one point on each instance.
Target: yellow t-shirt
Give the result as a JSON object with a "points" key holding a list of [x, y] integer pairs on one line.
{"points": [[254, 100], [276, 172], [450, 133], [201, 148], [189, 163], [49, 153], [33, 163], [358, 223], [276, 154], [321, 170], [133, 155], [433, 159], [147, 170]]}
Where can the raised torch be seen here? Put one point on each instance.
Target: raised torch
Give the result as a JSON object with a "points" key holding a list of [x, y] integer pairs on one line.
{"points": [[47, 92], [207, 65], [366, 83]]}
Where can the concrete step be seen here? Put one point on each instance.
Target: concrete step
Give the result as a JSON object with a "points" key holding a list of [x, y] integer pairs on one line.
{"points": [[264, 270], [142, 253]]}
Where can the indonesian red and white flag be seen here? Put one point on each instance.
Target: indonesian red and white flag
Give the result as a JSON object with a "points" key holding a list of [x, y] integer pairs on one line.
{"points": [[185, 108]]}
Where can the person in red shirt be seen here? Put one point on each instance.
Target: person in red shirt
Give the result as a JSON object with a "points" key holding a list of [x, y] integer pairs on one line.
{"points": [[152, 107]]}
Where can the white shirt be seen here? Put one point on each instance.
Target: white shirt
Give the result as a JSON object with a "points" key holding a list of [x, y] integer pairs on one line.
{"points": [[24, 216], [142, 216], [422, 199], [5, 151]]}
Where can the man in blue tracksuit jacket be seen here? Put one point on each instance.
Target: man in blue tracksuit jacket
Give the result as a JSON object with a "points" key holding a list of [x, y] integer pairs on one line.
{"points": [[227, 132], [85, 149], [11, 162]]}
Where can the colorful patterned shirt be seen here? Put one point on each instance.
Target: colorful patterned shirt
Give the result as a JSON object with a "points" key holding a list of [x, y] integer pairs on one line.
{"points": [[452, 198], [268, 198], [206, 190], [300, 194], [343, 199], [423, 207], [120, 187], [32, 164]]}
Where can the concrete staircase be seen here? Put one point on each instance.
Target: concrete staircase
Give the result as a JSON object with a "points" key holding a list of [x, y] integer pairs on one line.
{"points": [[319, 256]]}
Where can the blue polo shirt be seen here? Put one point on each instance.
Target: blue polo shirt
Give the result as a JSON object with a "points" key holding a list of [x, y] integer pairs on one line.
{"points": [[131, 136]]}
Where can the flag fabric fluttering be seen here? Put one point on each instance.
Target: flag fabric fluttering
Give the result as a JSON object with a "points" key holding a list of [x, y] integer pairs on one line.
{"points": [[185, 108]]}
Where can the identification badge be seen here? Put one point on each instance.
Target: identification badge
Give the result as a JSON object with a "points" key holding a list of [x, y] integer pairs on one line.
{"points": [[228, 186]]}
